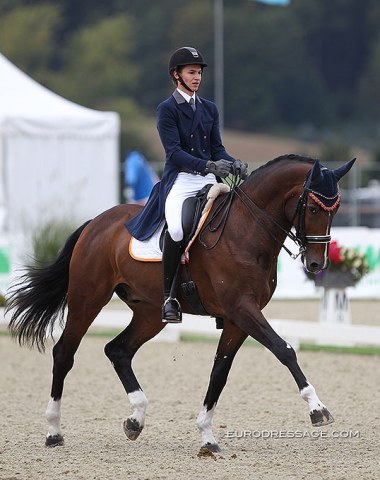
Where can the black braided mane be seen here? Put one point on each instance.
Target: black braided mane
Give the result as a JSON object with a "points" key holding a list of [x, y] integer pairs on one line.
{"points": [[283, 158]]}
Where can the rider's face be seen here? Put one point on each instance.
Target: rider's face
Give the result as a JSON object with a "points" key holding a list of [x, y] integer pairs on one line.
{"points": [[192, 76]]}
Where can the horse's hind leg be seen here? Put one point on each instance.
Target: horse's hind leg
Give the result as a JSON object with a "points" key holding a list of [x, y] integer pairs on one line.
{"points": [[253, 322], [78, 321], [144, 325]]}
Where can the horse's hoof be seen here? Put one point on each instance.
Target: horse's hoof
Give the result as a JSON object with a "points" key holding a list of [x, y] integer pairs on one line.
{"points": [[54, 440], [211, 447], [321, 417], [132, 428]]}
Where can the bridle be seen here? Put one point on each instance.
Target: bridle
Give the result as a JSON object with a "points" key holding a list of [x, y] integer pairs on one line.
{"points": [[300, 238], [301, 211]]}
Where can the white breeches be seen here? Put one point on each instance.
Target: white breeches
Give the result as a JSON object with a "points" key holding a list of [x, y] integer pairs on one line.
{"points": [[186, 185]]}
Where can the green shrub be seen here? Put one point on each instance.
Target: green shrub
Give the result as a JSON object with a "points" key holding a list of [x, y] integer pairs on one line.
{"points": [[2, 300], [48, 240]]}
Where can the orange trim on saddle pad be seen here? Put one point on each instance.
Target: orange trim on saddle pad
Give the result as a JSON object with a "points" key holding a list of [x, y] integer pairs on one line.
{"points": [[141, 259], [200, 225], [153, 252]]}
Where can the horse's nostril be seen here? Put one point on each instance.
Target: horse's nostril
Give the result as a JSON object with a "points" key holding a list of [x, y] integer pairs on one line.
{"points": [[314, 267]]}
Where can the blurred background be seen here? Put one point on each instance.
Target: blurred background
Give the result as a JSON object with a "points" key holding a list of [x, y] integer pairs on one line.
{"points": [[303, 73], [288, 76]]}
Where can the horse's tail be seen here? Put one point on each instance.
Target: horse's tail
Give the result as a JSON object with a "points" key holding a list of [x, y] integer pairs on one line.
{"points": [[39, 297]]}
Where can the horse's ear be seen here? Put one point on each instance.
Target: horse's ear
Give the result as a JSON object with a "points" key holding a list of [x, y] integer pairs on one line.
{"points": [[341, 171], [316, 173]]}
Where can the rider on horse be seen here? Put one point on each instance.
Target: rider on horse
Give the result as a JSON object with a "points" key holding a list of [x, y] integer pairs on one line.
{"points": [[188, 126]]}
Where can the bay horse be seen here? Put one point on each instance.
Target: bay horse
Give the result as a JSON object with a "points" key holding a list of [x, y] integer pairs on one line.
{"points": [[234, 268]]}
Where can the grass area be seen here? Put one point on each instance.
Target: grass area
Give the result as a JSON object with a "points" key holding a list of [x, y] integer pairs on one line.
{"points": [[210, 339], [194, 338], [307, 347], [310, 347]]}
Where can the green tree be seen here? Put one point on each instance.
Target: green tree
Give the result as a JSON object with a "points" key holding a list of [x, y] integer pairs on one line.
{"points": [[339, 35], [98, 62], [269, 78], [369, 88], [314, 62], [28, 37]]}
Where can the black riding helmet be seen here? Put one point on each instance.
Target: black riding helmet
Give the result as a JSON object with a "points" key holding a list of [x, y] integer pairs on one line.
{"points": [[185, 56]]}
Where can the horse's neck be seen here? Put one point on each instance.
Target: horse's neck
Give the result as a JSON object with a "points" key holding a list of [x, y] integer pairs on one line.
{"points": [[270, 194]]}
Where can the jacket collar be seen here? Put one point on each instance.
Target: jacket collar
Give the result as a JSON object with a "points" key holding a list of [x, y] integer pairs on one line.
{"points": [[186, 109], [180, 99]]}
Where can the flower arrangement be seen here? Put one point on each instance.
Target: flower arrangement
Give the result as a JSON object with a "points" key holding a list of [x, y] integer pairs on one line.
{"points": [[347, 262]]}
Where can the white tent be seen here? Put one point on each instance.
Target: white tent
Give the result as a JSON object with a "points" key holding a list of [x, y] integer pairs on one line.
{"points": [[58, 160]]}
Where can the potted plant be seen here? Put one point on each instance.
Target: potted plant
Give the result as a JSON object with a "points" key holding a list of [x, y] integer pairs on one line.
{"points": [[347, 267]]}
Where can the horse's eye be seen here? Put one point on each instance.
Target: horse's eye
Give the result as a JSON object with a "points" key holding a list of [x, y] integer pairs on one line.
{"points": [[313, 210]]}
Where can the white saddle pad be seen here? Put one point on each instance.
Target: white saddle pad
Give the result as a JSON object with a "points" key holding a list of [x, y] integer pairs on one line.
{"points": [[149, 250]]}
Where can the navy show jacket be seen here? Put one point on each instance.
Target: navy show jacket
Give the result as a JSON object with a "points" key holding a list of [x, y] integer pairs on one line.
{"points": [[190, 139]]}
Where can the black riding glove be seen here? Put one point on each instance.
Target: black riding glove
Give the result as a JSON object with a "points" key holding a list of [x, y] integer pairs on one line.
{"points": [[221, 168], [241, 169]]}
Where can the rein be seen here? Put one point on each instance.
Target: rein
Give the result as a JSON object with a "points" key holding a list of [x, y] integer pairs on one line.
{"points": [[299, 238], [302, 248]]}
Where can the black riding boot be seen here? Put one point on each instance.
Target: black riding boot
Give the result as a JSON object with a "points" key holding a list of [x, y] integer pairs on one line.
{"points": [[171, 257]]}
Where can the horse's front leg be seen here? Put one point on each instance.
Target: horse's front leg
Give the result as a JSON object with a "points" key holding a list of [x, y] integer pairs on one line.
{"points": [[250, 319], [230, 341]]}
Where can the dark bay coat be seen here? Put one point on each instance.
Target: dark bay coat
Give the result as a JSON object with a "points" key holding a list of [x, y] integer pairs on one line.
{"points": [[190, 139]]}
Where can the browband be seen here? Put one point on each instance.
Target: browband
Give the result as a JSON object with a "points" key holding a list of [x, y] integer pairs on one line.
{"points": [[313, 196]]}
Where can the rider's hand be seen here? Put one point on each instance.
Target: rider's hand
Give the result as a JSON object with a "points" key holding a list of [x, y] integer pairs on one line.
{"points": [[241, 169], [221, 168]]}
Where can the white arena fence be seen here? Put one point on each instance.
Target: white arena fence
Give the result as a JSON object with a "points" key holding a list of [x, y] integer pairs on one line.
{"points": [[293, 331], [292, 284]]}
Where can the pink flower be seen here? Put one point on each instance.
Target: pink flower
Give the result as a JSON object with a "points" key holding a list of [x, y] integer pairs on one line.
{"points": [[335, 252]]}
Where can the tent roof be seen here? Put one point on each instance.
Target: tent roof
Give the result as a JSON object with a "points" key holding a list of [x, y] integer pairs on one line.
{"points": [[27, 106]]}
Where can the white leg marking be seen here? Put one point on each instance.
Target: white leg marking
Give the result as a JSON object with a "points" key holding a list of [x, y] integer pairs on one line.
{"points": [[139, 404], [53, 417], [204, 423], [309, 395]]}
